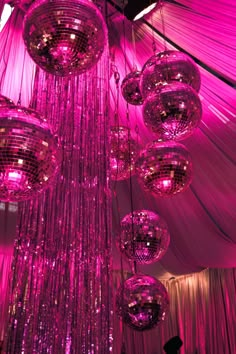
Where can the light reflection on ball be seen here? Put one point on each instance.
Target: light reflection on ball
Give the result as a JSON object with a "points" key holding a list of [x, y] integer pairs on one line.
{"points": [[173, 111], [142, 302], [144, 237], [130, 88], [165, 168], [169, 66], [123, 153], [29, 154], [64, 37]]}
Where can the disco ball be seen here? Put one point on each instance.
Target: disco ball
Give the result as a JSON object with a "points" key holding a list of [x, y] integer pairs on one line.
{"points": [[173, 111], [29, 154], [5, 102], [169, 66], [130, 88], [123, 153], [64, 37], [144, 237], [165, 168], [142, 302]]}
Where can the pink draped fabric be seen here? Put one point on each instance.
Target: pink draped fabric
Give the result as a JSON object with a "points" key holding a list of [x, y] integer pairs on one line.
{"points": [[16, 68]]}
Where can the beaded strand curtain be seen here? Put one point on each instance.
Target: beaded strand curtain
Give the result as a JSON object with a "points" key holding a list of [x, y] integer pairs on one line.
{"points": [[61, 291]]}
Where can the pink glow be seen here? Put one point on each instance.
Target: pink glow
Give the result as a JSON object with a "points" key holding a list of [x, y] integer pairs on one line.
{"points": [[14, 176], [201, 220], [167, 183]]}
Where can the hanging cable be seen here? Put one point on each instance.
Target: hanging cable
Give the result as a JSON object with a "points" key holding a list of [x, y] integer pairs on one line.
{"points": [[117, 81], [134, 49], [21, 81], [134, 270], [163, 26]]}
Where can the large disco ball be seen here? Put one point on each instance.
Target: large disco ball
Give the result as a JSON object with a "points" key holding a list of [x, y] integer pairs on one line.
{"points": [[123, 153], [29, 154], [144, 237], [130, 88], [142, 302], [173, 111], [169, 66], [165, 168], [63, 36]]}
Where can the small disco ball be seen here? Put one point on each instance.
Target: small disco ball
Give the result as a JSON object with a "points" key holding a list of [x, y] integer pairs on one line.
{"points": [[173, 111], [29, 154], [165, 168], [144, 237], [130, 88], [142, 302], [169, 66], [123, 153], [64, 37]]}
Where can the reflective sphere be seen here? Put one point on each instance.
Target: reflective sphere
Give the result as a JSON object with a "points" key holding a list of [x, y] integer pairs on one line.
{"points": [[165, 168], [123, 153], [130, 88], [5, 102], [144, 237], [169, 66], [173, 111], [29, 154], [63, 36], [142, 302]]}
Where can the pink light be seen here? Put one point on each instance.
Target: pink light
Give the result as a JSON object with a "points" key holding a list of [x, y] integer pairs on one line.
{"points": [[145, 11], [14, 176], [167, 183]]}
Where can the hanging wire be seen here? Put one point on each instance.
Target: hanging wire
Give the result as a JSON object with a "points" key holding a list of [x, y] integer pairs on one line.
{"points": [[154, 47], [163, 25], [21, 81], [124, 38], [134, 268], [134, 49], [117, 82], [164, 39]]}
